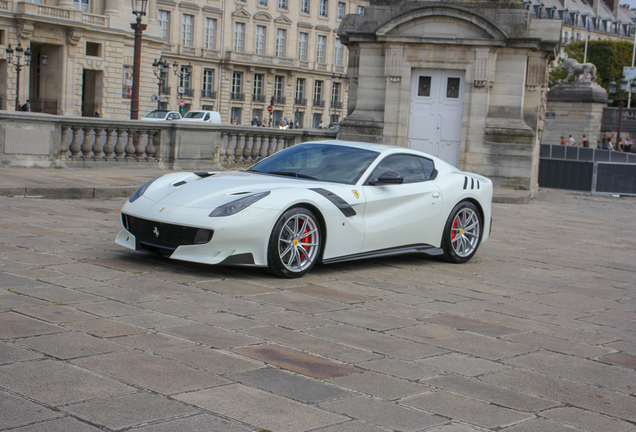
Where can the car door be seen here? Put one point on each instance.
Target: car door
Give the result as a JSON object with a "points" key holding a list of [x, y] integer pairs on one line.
{"points": [[401, 214]]}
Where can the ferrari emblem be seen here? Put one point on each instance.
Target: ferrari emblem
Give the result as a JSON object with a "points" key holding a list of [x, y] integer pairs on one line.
{"points": [[156, 232], [356, 193]]}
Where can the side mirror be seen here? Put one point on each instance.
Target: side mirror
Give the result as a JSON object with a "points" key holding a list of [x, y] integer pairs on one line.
{"points": [[388, 178]]}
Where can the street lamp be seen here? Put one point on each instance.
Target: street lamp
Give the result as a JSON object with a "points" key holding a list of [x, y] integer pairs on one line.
{"points": [[43, 60], [623, 87], [160, 69], [19, 51], [182, 73], [138, 8]]}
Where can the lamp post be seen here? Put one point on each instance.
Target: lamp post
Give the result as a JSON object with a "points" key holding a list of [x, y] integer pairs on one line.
{"points": [[623, 87], [187, 71], [160, 69], [138, 8], [43, 60], [19, 51]]}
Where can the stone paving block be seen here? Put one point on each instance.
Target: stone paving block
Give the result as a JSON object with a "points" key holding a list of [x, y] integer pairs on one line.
{"points": [[197, 423], [176, 308], [368, 319], [379, 385], [91, 271], [463, 342], [76, 282], [61, 295], [129, 410], [299, 302], [109, 308], [539, 425], [579, 370], [462, 364], [330, 294], [289, 385], [104, 328], [152, 320], [54, 313], [69, 344], [153, 342], [501, 396], [56, 383], [254, 407], [291, 320], [400, 310], [351, 426], [465, 409], [150, 372], [226, 320], [15, 411], [125, 295], [474, 326], [558, 345], [457, 427], [378, 342], [412, 370], [607, 402], [620, 359], [296, 361], [10, 354], [211, 336], [304, 342], [13, 325], [587, 420], [384, 414], [234, 287], [355, 287], [66, 424], [212, 360], [16, 300]]}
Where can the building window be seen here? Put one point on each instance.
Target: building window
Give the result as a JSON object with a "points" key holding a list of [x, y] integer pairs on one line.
{"points": [[335, 93], [164, 22], [323, 8], [185, 77], [282, 4], [317, 119], [302, 46], [452, 88], [279, 87], [237, 82], [186, 30], [341, 10], [565, 37], [300, 91], [318, 86], [304, 6], [320, 49], [337, 55], [360, 10], [281, 35], [239, 36], [258, 95], [260, 40], [262, 2], [257, 114], [208, 83], [235, 115], [81, 5], [210, 33]]}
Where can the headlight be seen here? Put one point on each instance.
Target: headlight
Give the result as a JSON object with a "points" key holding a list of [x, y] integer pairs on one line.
{"points": [[141, 191], [236, 206]]}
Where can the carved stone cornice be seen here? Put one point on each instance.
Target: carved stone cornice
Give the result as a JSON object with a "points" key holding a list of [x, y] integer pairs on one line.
{"points": [[24, 29], [73, 36]]}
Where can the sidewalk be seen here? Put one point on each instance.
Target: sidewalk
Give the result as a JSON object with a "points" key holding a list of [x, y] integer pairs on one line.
{"points": [[85, 183]]}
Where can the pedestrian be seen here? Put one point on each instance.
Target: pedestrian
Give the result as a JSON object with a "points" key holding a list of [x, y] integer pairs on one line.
{"points": [[235, 121], [97, 113], [321, 125], [620, 146], [607, 137], [571, 141], [585, 142], [628, 144], [562, 140], [296, 125], [598, 144], [26, 106]]}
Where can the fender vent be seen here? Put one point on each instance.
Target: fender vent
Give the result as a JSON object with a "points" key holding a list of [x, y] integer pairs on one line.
{"points": [[465, 182], [477, 184], [472, 183]]}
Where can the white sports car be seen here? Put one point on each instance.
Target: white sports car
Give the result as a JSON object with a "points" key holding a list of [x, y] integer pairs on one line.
{"points": [[328, 202]]}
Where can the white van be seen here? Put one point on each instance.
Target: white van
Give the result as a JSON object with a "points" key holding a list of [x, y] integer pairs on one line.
{"points": [[213, 117]]}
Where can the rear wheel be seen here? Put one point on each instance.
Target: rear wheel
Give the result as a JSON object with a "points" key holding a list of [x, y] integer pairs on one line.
{"points": [[462, 233], [294, 245]]}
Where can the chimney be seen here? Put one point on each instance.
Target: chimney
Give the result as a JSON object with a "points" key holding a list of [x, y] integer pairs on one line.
{"points": [[596, 5], [614, 6]]}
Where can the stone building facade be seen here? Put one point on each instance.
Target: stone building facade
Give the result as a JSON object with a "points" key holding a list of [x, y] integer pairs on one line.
{"points": [[465, 81], [242, 52]]}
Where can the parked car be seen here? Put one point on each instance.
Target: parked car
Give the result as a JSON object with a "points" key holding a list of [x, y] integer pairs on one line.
{"points": [[161, 115], [212, 117], [328, 201]]}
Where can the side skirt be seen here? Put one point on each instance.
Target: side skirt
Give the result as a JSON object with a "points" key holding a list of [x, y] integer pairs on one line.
{"points": [[402, 250]]}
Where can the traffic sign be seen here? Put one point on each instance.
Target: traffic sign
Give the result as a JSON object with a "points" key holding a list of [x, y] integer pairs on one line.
{"points": [[180, 90], [270, 108], [629, 73], [181, 102]]}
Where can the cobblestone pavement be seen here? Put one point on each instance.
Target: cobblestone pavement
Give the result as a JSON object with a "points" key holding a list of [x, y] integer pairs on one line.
{"points": [[536, 333]]}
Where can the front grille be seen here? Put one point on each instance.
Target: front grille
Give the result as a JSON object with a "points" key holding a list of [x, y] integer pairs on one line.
{"points": [[163, 235]]}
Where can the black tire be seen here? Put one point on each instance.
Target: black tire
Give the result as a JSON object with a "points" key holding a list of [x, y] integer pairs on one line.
{"points": [[462, 233], [295, 243]]}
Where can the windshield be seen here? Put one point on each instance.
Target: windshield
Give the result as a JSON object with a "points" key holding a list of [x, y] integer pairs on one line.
{"points": [[324, 162], [156, 114], [194, 115]]}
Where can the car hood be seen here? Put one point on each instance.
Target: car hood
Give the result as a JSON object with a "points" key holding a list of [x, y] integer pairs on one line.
{"points": [[192, 190]]}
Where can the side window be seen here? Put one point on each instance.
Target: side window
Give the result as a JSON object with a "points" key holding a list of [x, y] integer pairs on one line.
{"points": [[407, 166], [429, 167], [207, 117]]}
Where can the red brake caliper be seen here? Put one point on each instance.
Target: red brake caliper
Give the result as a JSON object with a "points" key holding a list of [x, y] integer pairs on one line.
{"points": [[304, 240], [453, 230]]}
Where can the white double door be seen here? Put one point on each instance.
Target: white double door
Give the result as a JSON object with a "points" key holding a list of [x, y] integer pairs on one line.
{"points": [[435, 118]]}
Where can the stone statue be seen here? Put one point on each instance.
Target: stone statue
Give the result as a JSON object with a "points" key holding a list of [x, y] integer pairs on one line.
{"points": [[573, 67]]}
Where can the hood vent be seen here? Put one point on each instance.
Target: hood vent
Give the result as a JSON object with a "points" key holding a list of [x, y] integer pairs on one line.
{"points": [[204, 174], [181, 183], [241, 193]]}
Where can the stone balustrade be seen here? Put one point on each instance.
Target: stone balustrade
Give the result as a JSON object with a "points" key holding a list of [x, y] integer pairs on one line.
{"points": [[34, 139]]}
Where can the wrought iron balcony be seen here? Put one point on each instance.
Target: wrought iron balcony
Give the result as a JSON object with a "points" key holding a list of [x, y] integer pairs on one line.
{"points": [[319, 103], [300, 101], [237, 96], [258, 97], [209, 94]]}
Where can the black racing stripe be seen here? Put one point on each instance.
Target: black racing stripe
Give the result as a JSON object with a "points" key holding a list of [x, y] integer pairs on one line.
{"points": [[342, 205]]}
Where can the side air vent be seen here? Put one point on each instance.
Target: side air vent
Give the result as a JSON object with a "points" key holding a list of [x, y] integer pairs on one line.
{"points": [[477, 184], [181, 183], [472, 183], [465, 182]]}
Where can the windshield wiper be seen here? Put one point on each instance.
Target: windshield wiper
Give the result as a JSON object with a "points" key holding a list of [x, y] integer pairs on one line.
{"points": [[291, 174]]}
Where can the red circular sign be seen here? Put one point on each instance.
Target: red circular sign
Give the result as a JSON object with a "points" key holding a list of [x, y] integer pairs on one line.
{"points": [[270, 108], [181, 102]]}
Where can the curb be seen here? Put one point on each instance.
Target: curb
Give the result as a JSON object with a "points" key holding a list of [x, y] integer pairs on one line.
{"points": [[68, 193], [512, 199]]}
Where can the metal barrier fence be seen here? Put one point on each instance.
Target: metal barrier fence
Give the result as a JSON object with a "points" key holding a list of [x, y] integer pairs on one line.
{"points": [[587, 169]]}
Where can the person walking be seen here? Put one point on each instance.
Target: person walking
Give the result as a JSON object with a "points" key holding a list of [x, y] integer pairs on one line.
{"points": [[585, 142], [571, 141], [562, 141]]}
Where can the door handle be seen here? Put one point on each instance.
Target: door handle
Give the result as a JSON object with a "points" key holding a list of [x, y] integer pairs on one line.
{"points": [[436, 195]]}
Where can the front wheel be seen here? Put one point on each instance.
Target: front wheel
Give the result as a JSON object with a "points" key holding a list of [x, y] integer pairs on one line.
{"points": [[462, 233], [294, 245]]}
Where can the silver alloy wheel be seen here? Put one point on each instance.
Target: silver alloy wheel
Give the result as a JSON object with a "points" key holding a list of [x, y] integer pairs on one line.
{"points": [[465, 232], [299, 242]]}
